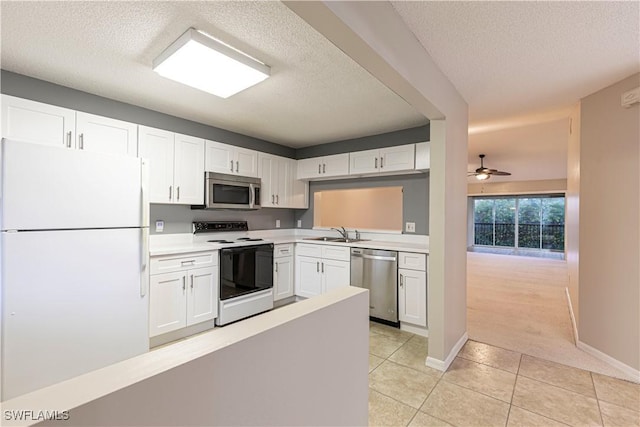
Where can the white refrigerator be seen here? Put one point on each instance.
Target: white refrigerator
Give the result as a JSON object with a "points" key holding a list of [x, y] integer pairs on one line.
{"points": [[74, 230]]}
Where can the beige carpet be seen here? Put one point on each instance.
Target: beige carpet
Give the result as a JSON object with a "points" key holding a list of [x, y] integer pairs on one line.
{"points": [[519, 303]]}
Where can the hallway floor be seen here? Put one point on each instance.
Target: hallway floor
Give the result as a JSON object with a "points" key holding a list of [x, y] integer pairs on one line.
{"points": [[520, 303], [488, 386]]}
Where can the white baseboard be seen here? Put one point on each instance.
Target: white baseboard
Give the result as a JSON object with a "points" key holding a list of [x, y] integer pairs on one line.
{"points": [[418, 330], [573, 318], [443, 365], [631, 373]]}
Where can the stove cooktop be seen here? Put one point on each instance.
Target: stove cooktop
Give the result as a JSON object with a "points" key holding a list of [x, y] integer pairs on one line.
{"points": [[239, 240]]}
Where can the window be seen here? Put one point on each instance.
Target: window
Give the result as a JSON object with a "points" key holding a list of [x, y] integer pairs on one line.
{"points": [[531, 222], [377, 208]]}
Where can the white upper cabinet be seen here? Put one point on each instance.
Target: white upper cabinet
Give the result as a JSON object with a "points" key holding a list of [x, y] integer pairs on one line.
{"points": [[32, 121], [323, 167], [280, 188], [389, 159], [224, 158], [176, 170], [157, 146], [104, 135], [423, 156], [45, 124], [188, 173]]}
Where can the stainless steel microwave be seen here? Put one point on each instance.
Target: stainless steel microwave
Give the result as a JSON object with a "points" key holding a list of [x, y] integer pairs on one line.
{"points": [[224, 191]]}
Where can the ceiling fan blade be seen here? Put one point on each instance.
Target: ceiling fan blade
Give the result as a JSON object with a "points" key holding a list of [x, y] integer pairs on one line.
{"points": [[500, 173]]}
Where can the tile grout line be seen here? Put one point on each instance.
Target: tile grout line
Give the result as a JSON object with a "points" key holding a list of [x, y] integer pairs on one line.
{"points": [[513, 392], [597, 400]]}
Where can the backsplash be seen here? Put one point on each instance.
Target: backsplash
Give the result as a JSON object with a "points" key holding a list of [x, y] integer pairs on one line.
{"points": [[178, 218]]}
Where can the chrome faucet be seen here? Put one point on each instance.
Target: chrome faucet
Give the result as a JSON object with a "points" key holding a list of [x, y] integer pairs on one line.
{"points": [[344, 233]]}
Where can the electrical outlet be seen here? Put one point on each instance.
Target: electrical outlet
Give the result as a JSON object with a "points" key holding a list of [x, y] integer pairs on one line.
{"points": [[159, 226], [410, 227], [277, 223], [299, 223]]}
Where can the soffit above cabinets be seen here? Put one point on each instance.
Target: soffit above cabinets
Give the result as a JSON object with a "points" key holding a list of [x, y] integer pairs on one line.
{"points": [[316, 94]]}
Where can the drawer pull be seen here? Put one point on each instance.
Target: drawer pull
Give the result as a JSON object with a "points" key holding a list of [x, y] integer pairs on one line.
{"points": [[189, 262]]}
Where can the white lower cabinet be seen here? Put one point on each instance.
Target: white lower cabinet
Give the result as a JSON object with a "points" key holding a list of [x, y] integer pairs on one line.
{"points": [[320, 269], [412, 289], [283, 277], [183, 297]]}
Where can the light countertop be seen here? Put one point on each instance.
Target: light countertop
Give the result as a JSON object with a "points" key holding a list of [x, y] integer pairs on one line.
{"points": [[186, 243]]}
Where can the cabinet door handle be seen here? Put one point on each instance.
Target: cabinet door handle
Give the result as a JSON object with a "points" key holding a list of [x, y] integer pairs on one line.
{"points": [[324, 168], [178, 193], [401, 280], [237, 166], [170, 193], [277, 199], [184, 283], [81, 141], [376, 164], [192, 282], [276, 267], [319, 168], [317, 266], [381, 162], [322, 267], [273, 199], [69, 139], [231, 165]]}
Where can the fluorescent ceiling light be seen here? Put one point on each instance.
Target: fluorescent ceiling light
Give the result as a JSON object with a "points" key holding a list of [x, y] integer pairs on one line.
{"points": [[202, 62]]}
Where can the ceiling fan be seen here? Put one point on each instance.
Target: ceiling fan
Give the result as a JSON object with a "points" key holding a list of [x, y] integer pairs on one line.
{"points": [[483, 173]]}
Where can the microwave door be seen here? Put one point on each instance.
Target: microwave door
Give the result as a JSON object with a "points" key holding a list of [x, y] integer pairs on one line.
{"points": [[229, 195]]}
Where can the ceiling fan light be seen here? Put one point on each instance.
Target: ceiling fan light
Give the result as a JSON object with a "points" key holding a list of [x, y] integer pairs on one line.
{"points": [[482, 176], [207, 64]]}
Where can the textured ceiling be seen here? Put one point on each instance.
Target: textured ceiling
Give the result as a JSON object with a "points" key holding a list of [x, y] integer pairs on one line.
{"points": [[521, 66], [517, 58], [315, 94]]}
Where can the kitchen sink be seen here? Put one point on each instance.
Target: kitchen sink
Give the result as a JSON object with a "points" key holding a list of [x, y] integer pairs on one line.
{"points": [[334, 239], [341, 240], [324, 239]]}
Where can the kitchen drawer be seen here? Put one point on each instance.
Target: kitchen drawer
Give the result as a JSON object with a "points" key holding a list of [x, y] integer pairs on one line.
{"points": [[412, 261], [340, 253], [169, 263], [283, 250], [306, 249]]}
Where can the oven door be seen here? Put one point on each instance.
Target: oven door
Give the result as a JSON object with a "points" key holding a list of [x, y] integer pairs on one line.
{"points": [[245, 269]]}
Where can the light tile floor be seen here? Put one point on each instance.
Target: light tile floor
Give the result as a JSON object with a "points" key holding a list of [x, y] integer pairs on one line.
{"points": [[488, 386]]}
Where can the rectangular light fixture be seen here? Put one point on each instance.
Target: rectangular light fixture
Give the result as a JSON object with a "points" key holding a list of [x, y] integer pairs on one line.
{"points": [[202, 62]]}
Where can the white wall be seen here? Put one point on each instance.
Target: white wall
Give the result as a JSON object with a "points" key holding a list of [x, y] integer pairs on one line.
{"points": [[545, 186], [374, 35], [572, 209], [609, 247], [302, 364]]}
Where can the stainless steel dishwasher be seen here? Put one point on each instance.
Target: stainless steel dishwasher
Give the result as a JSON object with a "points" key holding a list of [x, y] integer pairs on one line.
{"points": [[377, 270]]}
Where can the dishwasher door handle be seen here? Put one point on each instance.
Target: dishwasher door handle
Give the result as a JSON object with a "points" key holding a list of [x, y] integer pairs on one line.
{"points": [[376, 257]]}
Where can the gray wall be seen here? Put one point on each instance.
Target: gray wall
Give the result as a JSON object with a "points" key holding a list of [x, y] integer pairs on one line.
{"points": [[609, 204], [400, 137], [178, 218], [50, 93], [415, 197]]}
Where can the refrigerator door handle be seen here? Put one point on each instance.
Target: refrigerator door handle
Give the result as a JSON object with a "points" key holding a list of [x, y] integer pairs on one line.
{"points": [[144, 257], [144, 223]]}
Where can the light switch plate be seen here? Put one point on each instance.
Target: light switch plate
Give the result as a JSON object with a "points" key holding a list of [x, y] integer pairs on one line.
{"points": [[277, 223], [159, 226], [299, 223], [410, 227]]}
